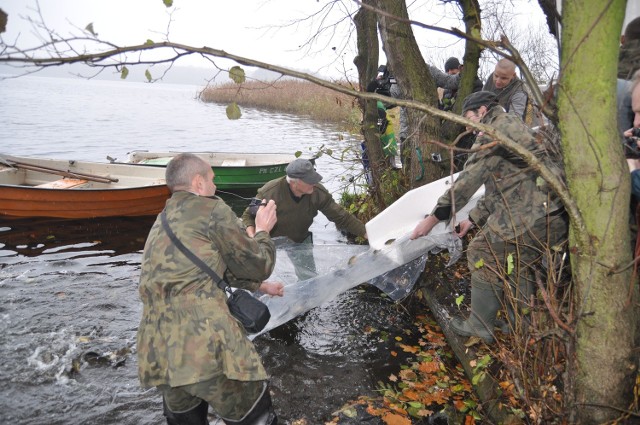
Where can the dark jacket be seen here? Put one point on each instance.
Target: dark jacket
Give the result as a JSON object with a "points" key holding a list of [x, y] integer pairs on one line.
{"points": [[512, 98]]}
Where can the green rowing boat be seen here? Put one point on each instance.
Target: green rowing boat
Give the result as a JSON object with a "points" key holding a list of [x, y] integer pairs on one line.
{"points": [[233, 171]]}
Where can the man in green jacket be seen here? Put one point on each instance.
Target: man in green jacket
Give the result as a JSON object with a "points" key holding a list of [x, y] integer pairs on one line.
{"points": [[518, 217], [299, 196], [189, 346]]}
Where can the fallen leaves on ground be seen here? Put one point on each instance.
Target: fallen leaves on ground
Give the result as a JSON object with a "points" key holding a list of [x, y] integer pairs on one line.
{"points": [[428, 381], [395, 419]]}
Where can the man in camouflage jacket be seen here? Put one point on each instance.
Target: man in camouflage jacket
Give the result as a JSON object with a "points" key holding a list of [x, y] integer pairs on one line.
{"points": [[518, 216], [189, 346]]}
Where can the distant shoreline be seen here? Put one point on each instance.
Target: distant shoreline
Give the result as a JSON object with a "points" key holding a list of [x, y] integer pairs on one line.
{"points": [[295, 97], [177, 75]]}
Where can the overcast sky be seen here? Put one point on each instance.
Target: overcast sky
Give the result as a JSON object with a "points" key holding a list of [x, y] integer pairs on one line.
{"points": [[251, 28], [256, 29]]}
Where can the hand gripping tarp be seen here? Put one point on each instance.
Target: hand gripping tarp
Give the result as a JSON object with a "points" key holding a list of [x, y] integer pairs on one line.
{"points": [[394, 269]]}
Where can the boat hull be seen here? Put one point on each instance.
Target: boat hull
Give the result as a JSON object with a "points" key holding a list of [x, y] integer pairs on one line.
{"points": [[36, 187], [235, 172], [72, 203]]}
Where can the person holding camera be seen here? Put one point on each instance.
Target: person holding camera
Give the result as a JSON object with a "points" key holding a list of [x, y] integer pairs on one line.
{"points": [[188, 344], [632, 138], [386, 129], [628, 63]]}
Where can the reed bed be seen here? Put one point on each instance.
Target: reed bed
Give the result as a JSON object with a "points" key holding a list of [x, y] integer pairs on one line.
{"points": [[300, 98]]}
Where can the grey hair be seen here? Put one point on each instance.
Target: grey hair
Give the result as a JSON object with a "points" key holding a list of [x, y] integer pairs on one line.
{"points": [[182, 169], [291, 179]]}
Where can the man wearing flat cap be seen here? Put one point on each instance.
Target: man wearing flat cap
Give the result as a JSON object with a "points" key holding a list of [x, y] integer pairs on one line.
{"points": [[518, 219], [299, 196]]}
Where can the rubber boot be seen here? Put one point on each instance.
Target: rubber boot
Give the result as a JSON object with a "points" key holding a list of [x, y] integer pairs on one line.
{"points": [[506, 325], [485, 303], [261, 412], [523, 292], [195, 416]]}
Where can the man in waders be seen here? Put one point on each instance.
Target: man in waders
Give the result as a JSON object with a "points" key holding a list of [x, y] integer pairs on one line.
{"points": [[189, 346], [518, 217], [299, 196]]}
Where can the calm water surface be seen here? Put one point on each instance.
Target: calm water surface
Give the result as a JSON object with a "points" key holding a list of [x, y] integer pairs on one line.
{"points": [[70, 308]]}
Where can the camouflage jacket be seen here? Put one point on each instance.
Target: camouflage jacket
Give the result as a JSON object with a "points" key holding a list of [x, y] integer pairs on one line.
{"points": [[296, 216], [186, 333], [514, 196]]}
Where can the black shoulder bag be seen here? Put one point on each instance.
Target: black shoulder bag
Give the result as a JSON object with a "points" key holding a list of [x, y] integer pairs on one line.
{"points": [[251, 312]]}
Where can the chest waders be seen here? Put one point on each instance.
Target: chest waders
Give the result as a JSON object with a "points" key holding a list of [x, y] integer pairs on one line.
{"points": [[195, 416], [261, 412]]}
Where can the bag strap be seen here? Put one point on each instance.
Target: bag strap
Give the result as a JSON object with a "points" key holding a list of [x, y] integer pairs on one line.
{"points": [[190, 255]]}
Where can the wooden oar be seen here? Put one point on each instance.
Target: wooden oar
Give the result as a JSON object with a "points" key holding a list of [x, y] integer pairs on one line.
{"points": [[60, 172]]}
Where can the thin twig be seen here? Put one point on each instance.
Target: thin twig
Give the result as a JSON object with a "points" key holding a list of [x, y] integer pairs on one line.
{"points": [[552, 312]]}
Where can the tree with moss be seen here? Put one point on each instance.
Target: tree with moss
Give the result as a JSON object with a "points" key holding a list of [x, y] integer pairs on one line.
{"points": [[605, 313]]}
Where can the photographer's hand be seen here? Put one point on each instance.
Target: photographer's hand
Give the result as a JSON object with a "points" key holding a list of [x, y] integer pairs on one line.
{"points": [[632, 132], [266, 217]]}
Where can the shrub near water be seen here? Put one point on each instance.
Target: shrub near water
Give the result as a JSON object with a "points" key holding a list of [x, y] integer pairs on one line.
{"points": [[294, 97]]}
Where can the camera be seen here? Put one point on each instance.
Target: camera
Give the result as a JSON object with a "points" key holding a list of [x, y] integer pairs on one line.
{"points": [[631, 149], [384, 80], [254, 205]]}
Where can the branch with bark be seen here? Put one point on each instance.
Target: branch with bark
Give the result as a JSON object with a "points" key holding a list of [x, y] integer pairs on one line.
{"points": [[100, 59]]}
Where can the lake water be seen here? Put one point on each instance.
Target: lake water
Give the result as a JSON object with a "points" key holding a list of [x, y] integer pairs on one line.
{"points": [[70, 307]]}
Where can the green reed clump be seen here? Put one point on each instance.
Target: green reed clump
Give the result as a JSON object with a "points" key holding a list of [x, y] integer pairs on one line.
{"points": [[294, 97]]}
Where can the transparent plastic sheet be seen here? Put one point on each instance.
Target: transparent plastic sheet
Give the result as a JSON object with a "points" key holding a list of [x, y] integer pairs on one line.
{"points": [[315, 274]]}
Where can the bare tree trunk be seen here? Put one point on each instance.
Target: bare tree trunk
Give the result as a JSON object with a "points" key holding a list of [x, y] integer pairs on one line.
{"points": [[471, 60], [367, 63], [472, 50], [604, 297], [415, 81]]}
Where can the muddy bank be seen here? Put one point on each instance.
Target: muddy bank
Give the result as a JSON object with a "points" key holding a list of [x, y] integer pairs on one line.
{"points": [[440, 287]]}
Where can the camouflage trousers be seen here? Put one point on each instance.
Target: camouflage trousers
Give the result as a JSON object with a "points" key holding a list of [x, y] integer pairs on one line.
{"points": [[487, 254], [231, 399]]}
